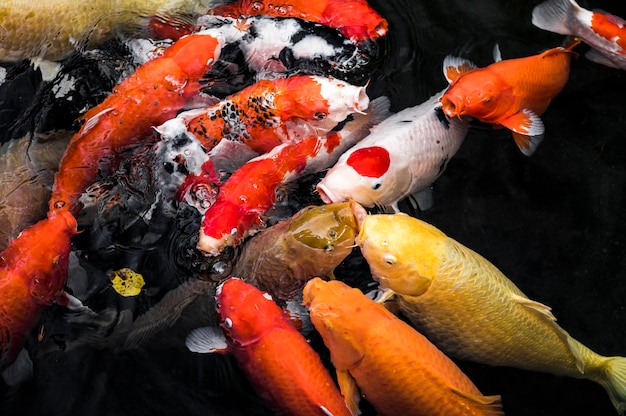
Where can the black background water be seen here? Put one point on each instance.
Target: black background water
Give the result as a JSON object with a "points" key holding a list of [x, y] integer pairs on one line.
{"points": [[554, 223]]}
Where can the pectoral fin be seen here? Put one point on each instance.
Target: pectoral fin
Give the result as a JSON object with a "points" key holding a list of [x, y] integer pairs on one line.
{"points": [[208, 339], [488, 405], [349, 390], [454, 67], [527, 130]]}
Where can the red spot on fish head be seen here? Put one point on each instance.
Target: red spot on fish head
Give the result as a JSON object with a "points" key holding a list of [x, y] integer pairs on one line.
{"points": [[301, 97], [372, 161]]}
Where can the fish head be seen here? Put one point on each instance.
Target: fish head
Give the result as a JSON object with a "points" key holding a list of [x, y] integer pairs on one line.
{"points": [[403, 253], [245, 312], [334, 309], [195, 54], [369, 176], [478, 94]]}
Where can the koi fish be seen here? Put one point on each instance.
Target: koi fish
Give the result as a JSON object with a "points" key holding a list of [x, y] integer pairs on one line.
{"points": [[27, 166], [280, 364], [604, 32], [53, 29], [271, 112], [395, 367], [281, 258], [355, 19], [512, 93], [251, 190], [448, 292], [33, 270], [402, 156], [154, 93]]}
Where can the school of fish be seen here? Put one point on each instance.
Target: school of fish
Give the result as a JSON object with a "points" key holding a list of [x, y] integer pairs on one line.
{"points": [[247, 100]]}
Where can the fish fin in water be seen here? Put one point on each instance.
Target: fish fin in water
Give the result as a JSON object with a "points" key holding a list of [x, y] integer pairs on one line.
{"points": [[379, 109], [615, 382], [20, 371], [455, 67], [497, 55], [229, 155], [207, 339], [349, 391], [73, 304], [545, 312], [553, 15], [527, 130], [595, 56], [527, 144], [489, 405], [422, 200]]}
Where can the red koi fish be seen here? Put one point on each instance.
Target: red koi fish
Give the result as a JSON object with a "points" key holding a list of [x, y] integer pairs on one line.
{"points": [[154, 93], [512, 93], [604, 32], [355, 19], [280, 364], [271, 112], [395, 367], [250, 191], [33, 270]]}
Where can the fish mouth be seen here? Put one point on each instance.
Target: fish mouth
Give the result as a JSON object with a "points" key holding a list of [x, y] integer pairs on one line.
{"points": [[361, 101], [451, 108], [326, 194]]}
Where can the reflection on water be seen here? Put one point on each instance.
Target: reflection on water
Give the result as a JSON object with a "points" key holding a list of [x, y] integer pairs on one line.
{"points": [[554, 223]]}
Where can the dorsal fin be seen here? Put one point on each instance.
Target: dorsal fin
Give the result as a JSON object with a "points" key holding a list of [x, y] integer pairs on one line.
{"points": [[454, 67]]}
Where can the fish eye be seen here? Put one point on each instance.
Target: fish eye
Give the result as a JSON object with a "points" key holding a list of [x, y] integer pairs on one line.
{"points": [[228, 322], [390, 259], [377, 184], [319, 115], [332, 233]]}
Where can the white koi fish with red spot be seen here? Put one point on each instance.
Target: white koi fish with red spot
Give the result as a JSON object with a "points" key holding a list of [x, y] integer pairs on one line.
{"points": [[604, 32], [402, 156]]}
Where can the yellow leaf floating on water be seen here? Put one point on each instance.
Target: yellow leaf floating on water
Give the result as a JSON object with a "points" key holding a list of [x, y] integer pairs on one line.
{"points": [[126, 282]]}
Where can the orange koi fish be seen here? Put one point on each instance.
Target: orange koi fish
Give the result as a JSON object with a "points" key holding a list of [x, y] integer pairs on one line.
{"points": [[154, 93], [33, 270], [355, 19], [512, 93], [604, 32], [271, 112], [250, 191], [394, 366], [280, 364]]}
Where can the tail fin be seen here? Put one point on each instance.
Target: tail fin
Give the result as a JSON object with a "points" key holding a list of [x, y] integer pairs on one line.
{"points": [[552, 15], [615, 382]]}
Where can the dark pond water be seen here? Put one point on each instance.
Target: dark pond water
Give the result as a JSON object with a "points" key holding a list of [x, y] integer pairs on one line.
{"points": [[554, 223]]}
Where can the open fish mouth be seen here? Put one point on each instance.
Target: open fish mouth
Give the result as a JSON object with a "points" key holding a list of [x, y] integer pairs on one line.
{"points": [[326, 194], [450, 108]]}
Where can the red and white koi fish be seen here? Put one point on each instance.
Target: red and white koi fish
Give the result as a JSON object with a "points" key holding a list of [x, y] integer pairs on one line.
{"points": [[355, 19], [33, 270], [271, 112], [402, 156], [512, 93], [280, 364], [604, 32], [251, 190], [154, 93]]}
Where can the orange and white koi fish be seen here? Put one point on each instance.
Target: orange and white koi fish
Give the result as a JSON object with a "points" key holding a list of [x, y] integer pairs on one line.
{"points": [[33, 270], [355, 19], [396, 368], [154, 93], [604, 32], [250, 191], [280, 364], [512, 93], [402, 156]]}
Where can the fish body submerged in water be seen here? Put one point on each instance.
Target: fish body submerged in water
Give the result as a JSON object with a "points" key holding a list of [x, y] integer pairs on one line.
{"points": [[280, 364], [402, 155], [512, 93], [449, 292], [33, 270], [396, 368], [53, 29], [604, 32], [281, 258]]}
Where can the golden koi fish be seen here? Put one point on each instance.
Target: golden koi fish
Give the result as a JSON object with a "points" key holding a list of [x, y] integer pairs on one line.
{"points": [[469, 309]]}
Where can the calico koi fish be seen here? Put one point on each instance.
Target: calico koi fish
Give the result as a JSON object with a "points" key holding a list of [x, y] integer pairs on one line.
{"points": [[512, 93], [281, 258], [33, 270], [250, 191], [154, 93], [395, 367], [355, 19], [448, 292], [280, 364], [604, 32], [402, 156], [52, 29]]}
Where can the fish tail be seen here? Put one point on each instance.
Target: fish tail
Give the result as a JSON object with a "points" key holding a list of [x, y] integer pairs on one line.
{"points": [[613, 379], [553, 15]]}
